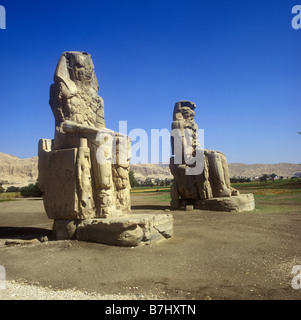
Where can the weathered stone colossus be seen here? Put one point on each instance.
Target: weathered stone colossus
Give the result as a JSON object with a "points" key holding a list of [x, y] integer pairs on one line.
{"points": [[75, 184], [84, 170], [201, 175]]}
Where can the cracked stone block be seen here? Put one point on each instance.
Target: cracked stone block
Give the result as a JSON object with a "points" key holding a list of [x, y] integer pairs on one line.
{"points": [[127, 231], [65, 229], [239, 203]]}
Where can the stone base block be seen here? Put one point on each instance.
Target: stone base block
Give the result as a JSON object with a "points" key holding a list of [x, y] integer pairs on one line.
{"points": [[239, 203], [126, 231], [65, 229]]}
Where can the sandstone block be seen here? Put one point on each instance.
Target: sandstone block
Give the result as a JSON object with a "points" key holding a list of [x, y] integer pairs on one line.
{"points": [[65, 229], [15, 242], [125, 231], [239, 203]]}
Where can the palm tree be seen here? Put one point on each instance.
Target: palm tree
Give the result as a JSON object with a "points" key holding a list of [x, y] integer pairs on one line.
{"points": [[273, 176], [263, 178]]}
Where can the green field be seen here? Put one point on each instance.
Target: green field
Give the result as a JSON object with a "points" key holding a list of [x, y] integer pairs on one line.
{"points": [[9, 196], [277, 197], [280, 196]]}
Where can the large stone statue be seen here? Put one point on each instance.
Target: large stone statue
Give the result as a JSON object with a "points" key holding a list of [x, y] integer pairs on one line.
{"points": [[97, 190], [201, 175], [84, 170]]}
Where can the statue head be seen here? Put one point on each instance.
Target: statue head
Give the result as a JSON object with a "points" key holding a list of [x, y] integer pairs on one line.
{"points": [[76, 69], [184, 110], [81, 66]]}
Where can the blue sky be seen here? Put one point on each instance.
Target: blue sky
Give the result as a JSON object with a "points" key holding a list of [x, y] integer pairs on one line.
{"points": [[239, 61]]}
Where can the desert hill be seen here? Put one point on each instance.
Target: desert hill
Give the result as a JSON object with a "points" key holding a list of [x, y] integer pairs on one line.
{"points": [[16, 171], [19, 172], [161, 171], [286, 170], [153, 171]]}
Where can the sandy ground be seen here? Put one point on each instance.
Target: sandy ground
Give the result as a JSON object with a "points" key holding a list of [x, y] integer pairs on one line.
{"points": [[212, 255]]}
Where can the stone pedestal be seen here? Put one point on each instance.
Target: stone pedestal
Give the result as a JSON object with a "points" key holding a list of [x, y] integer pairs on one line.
{"points": [[129, 231], [239, 203]]}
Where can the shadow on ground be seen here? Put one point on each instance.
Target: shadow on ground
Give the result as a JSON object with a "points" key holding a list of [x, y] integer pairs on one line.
{"points": [[23, 233], [150, 207]]}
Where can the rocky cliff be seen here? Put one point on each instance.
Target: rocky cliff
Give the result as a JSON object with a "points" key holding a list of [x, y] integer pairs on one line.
{"points": [[16, 171]]}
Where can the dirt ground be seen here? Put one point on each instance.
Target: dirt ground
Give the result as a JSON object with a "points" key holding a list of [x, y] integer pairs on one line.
{"points": [[212, 255]]}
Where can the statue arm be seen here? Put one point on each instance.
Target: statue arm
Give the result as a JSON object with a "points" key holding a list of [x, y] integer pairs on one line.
{"points": [[73, 127]]}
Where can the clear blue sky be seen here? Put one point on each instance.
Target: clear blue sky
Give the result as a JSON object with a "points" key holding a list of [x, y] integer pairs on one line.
{"points": [[239, 61]]}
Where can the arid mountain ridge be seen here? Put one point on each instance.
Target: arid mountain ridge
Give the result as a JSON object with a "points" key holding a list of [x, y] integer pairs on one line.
{"points": [[19, 172]]}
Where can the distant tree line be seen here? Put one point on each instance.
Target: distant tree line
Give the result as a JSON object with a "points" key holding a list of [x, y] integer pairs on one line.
{"points": [[31, 190], [148, 182], [266, 177], [263, 178], [156, 182], [133, 181], [240, 180]]}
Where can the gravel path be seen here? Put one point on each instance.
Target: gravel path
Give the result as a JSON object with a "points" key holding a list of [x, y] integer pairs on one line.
{"points": [[23, 291]]}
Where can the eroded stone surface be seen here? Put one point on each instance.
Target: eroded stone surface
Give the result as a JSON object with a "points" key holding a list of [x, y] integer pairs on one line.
{"points": [[84, 170], [239, 203], [128, 231]]}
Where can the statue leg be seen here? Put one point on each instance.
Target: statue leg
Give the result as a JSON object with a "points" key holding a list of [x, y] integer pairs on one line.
{"points": [[234, 192], [218, 174], [103, 184], [175, 197], [85, 193], [202, 181]]}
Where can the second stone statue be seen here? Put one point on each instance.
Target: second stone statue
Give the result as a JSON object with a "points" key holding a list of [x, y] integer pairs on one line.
{"points": [[201, 175]]}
